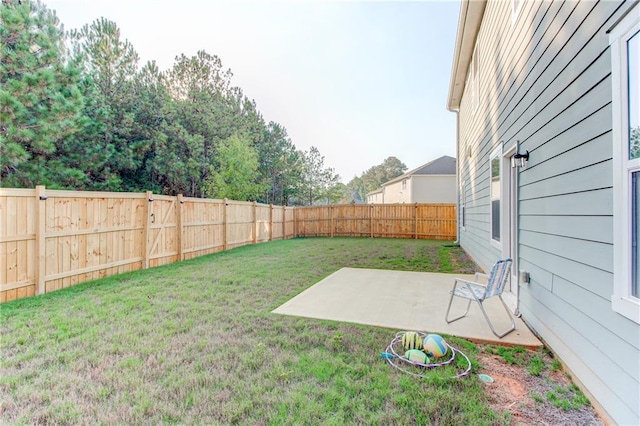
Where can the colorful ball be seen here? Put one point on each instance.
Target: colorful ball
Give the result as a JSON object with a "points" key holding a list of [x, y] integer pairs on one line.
{"points": [[416, 355], [411, 340], [434, 345]]}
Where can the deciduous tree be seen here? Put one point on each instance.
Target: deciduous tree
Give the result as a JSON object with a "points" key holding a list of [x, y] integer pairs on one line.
{"points": [[236, 177], [374, 177]]}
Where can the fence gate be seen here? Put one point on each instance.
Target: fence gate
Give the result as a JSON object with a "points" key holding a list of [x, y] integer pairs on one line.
{"points": [[162, 238]]}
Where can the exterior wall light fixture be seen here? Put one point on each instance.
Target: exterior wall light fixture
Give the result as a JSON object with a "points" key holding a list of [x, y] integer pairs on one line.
{"points": [[520, 160]]}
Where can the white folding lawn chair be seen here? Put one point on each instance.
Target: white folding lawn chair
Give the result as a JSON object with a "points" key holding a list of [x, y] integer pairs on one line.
{"points": [[478, 292]]}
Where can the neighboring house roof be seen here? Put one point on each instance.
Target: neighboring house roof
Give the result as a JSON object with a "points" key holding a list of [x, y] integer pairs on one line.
{"points": [[471, 13], [377, 191], [444, 165]]}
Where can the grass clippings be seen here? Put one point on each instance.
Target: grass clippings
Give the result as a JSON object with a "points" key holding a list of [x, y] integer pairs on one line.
{"points": [[195, 342]]}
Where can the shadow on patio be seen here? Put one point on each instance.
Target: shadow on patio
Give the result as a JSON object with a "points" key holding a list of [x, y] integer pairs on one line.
{"points": [[403, 301]]}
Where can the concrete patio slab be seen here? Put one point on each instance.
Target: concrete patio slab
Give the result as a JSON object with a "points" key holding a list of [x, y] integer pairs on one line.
{"points": [[403, 301]]}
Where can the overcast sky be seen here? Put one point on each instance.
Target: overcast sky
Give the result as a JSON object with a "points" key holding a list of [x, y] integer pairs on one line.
{"points": [[361, 81]]}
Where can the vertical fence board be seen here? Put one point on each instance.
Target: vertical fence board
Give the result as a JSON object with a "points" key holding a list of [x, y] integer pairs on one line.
{"points": [[17, 244], [3, 246], [12, 246], [263, 223], [180, 228]]}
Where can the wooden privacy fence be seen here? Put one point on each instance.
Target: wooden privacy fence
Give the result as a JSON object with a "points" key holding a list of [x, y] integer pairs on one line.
{"points": [[52, 239], [55, 239], [422, 221]]}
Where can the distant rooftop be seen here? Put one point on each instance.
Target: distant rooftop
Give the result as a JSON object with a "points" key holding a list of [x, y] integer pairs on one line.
{"points": [[444, 165]]}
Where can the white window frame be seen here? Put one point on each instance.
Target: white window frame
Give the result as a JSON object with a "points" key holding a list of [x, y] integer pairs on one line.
{"points": [[496, 154], [404, 184], [622, 300]]}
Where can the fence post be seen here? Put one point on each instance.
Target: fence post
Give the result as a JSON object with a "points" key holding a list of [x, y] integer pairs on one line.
{"points": [[415, 219], [41, 206], [371, 220], [255, 223], [270, 222], [225, 203], [331, 220], [147, 231], [295, 222], [180, 228]]}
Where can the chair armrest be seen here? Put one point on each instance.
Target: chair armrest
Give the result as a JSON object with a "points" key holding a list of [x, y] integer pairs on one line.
{"points": [[481, 275], [470, 285]]}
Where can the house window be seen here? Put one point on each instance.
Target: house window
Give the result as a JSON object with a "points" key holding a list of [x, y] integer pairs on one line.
{"points": [[625, 61], [404, 184], [495, 195]]}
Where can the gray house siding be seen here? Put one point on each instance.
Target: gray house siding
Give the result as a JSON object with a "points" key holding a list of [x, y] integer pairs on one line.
{"points": [[545, 81]]}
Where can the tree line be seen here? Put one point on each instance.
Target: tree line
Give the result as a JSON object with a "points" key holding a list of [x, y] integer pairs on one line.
{"points": [[77, 111]]}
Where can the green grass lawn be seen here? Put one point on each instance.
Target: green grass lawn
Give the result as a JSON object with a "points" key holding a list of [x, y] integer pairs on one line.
{"points": [[195, 342]]}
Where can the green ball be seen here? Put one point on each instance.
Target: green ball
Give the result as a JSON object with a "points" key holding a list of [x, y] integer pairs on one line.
{"points": [[416, 355]]}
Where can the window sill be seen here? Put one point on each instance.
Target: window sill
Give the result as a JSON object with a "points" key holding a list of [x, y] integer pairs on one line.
{"points": [[626, 306]]}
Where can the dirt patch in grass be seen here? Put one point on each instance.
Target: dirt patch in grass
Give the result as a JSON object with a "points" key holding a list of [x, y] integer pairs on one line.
{"points": [[460, 261], [547, 397]]}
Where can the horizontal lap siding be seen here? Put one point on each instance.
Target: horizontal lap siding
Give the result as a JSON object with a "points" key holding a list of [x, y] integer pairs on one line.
{"points": [[546, 82]]}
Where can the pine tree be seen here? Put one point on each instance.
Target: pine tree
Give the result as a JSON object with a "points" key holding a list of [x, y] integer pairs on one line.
{"points": [[110, 66], [278, 164], [316, 179], [40, 102]]}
